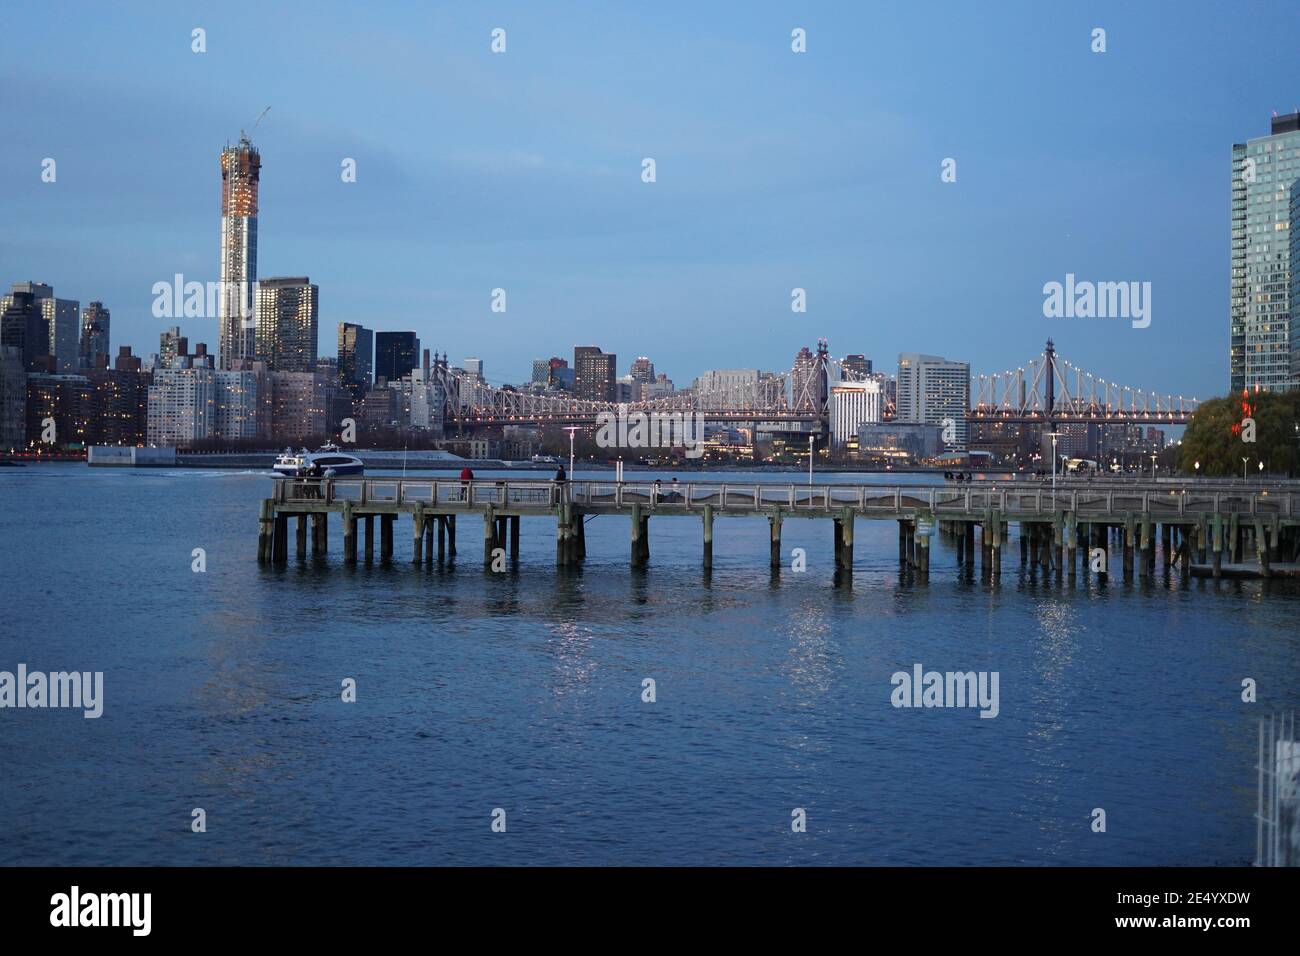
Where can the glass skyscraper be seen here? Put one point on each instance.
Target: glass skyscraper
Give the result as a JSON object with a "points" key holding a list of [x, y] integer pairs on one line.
{"points": [[1265, 347]]}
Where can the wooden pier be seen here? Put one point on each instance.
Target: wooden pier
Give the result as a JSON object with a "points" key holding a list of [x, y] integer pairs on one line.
{"points": [[1197, 527]]}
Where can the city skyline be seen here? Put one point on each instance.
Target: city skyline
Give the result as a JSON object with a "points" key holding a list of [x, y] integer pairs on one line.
{"points": [[796, 195]]}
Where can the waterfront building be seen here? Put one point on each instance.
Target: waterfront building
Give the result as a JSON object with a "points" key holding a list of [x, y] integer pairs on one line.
{"points": [[182, 404], [68, 399], [121, 402], [13, 398], [1264, 345]]}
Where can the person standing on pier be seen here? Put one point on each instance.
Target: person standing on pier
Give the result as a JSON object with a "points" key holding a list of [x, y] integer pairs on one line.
{"points": [[561, 476], [466, 476]]}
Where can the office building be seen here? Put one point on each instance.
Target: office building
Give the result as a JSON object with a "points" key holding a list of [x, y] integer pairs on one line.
{"points": [[171, 345], [855, 368], [356, 358], [287, 323], [853, 404], [395, 354], [63, 323]]}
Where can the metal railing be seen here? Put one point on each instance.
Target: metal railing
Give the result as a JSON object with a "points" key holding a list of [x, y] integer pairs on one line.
{"points": [[1011, 500]]}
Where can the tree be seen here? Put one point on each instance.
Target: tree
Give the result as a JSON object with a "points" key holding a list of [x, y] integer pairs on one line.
{"points": [[1219, 435]]}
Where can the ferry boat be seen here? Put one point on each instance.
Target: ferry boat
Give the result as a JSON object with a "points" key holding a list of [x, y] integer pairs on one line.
{"points": [[333, 462]]}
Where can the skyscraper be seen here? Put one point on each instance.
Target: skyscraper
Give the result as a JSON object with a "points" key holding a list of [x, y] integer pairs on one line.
{"points": [[594, 376], [1264, 346], [287, 323], [356, 358], [241, 170], [23, 326], [63, 323], [94, 336], [172, 345], [395, 354], [934, 390], [856, 368]]}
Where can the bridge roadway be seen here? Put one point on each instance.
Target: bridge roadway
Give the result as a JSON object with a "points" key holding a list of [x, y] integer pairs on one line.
{"points": [[1196, 521]]}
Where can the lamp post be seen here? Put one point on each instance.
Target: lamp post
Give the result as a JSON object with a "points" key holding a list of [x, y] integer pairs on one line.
{"points": [[1055, 436], [1153, 467], [811, 439], [1243, 468], [572, 430]]}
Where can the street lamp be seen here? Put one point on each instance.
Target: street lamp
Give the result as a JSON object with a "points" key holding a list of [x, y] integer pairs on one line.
{"points": [[572, 430], [1243, 468], [1153, 467], [1055, 436], [811, 438]]}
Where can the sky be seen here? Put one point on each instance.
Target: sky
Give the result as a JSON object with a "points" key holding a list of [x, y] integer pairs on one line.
{"points": [[775, 170]]}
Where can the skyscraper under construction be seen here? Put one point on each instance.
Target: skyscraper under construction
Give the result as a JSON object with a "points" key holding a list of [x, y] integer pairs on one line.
{"points": [[241, 168]]}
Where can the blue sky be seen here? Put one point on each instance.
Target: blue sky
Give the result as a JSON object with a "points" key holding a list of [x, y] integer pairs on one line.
{"points": [[775, 170]]}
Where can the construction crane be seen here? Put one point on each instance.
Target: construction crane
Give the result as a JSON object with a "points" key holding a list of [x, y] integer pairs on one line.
{"points": [[244, 136]]}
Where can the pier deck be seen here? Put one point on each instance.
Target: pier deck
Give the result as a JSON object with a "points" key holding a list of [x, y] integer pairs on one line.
{"points": [[1205, 523]]}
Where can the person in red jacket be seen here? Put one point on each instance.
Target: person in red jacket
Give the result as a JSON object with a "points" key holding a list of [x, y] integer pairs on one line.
{"points": [[466, 476]]}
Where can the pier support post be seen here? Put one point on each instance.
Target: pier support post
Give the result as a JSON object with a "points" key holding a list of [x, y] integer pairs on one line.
{"points": [[1144, 565], [561, 533], [1071, 543], [1130, 534], [708, 537], [1234, 538], [489, 536], [1261, 550], [417, 537], [301, 535], [902, 543], [846, 540], [1035, 534], [959, 533], [265, 531], [774, 556], [386, 537], [370, 538], [451, 536], [1217, 545], [442, 538], [349, 534], [970, 543], [838, 538], [579, 536], [514, 537], [1166, 544], [1025, 531], [997, 545], [319, 533], [281, 538]]}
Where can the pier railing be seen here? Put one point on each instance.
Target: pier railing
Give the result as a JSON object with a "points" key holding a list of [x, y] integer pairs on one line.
{"points": [[1010, 500]]}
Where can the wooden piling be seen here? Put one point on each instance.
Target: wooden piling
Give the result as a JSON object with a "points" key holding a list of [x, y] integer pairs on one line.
{"points": [[265, 531], [370, 538], [514, 537], [319, 534], [708, 536], [386, 537], [417, 537], [281, 538], [301, 535], [349, 534]]}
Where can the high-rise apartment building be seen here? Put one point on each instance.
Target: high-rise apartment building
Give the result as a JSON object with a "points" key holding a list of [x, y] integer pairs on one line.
{"points": [[171, 346], [13, 398], [241, 172], [94, 336], [934, 391], [396, 353], [182, 406], [1264, 350], [287, 316], [855, 368], [594, 374], [356, 358]]}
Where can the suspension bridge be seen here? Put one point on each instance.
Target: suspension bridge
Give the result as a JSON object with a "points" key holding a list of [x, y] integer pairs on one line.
{"points": [[1047, 390]]}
